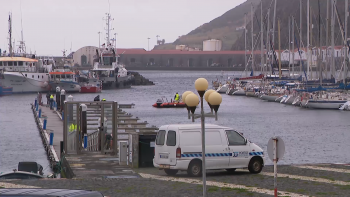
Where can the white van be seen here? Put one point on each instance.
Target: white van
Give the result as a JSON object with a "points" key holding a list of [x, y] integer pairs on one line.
{"points": [[179, 147]]}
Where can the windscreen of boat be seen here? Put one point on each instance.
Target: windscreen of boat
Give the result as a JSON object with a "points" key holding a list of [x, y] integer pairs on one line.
{"points": [[107, 60]]}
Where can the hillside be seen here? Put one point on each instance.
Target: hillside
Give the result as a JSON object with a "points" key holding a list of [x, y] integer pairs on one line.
{"points": [[223, 28], [286, 8]]}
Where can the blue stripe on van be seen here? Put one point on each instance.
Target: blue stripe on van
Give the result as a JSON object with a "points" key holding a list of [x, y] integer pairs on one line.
{"points": [[256, 153], [208, 155]]}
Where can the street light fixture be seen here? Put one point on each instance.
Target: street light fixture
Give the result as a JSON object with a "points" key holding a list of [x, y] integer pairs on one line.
{"points": [[191, 100]]}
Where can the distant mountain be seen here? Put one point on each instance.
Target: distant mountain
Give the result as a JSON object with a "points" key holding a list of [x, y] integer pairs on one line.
{"points": [[224, 27]]}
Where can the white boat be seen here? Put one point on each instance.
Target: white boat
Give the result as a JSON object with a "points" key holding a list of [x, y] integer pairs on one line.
{"points": [[270, 97], [325, 104], [223, 89], [25, 75], [239, 92], [345, 106]]}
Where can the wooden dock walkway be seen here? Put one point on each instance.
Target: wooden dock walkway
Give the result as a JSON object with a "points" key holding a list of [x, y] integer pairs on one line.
{"points": [[55, 125]]}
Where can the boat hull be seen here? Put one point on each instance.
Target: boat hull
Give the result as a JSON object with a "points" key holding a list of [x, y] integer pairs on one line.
{"points": [[240, 92], [223, 89], [22, 84], [251, 94], [5, 91], [269, 98], [67, 86], [325, 104], [169, 105], [90, 89]]}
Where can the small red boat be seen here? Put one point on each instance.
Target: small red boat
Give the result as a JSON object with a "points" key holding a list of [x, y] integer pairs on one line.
{"points": [[165, 104], [92, 85]]}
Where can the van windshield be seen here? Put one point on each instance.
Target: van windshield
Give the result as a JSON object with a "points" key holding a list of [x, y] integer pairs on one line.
{"points": [[160, 137], [234, 138]]}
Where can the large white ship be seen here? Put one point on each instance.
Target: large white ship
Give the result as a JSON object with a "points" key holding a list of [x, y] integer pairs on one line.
{"points": [[25, 75]]}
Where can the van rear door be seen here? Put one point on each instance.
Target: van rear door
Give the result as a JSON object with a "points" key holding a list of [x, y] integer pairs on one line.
{"points": [[165, 150]]}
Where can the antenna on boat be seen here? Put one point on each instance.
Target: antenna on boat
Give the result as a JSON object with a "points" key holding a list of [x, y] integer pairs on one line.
{"points": [[22, 46], [108, 29]]}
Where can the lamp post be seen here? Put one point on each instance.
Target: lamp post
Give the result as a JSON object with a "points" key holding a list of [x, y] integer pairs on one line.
{"points": [[148, 43], [99, 40], [214, 100]]}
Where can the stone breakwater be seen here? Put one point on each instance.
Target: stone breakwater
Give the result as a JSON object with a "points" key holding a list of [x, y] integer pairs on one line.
{"points": [[140, 80]]}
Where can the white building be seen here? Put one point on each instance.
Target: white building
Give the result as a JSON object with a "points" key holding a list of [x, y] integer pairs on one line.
{"points": [[212, 45], [85, 56]]}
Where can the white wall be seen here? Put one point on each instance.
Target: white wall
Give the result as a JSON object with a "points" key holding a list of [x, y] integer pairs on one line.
{"points": [[88, 51]]}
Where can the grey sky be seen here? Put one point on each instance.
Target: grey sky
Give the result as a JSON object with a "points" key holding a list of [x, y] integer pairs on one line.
{"points": [[49, 26]]}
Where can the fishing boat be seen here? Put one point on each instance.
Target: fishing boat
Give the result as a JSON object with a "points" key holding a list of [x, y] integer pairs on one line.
{"points": [[65, 79], [163, 103]]}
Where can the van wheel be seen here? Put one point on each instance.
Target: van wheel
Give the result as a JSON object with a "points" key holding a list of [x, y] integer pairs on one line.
{"points": [[170, 172], [255, 165], [195, 168], [231, 170]]}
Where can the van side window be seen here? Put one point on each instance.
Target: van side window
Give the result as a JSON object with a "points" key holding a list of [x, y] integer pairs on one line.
{"points": [[160, 137], [234, 138], [171, 138]]}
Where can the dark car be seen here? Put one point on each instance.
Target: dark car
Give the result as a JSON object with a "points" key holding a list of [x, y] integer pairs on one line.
{"points": [[48, 192]]}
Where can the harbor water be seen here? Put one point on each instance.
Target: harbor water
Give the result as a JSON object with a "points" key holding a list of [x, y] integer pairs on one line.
{"points": [[310, 136]]}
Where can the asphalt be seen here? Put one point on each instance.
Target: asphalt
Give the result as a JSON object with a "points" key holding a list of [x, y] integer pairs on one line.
{"points": [[292, 181]]}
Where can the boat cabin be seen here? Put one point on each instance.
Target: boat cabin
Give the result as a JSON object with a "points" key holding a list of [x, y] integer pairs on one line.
{"points": [[18, 64], [63, 76]]}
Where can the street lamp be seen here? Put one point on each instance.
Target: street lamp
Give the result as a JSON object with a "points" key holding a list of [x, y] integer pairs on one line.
{"points": [[148, 43], [191, 100]]}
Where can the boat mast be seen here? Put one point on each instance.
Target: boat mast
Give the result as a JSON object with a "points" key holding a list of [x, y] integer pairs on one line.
{"points": [[273, 31], [293, 45], [22, 44], [319, 57], [300, 35], [245, 42], [308, 37], [289, 43], [108, 29], [252, 22], [311, 46], [346, 42], [261, 38], [279, 48], [10, 34], [327, 40], [332, 32], [268, 39]]}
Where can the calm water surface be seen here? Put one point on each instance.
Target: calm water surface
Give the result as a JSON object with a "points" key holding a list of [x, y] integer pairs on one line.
{"points": [[311, 136]]}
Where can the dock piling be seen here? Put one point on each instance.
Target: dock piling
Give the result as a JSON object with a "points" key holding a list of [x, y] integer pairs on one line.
{"points": [[39, 113], [45, 123], [51, 138], [36, 106]]}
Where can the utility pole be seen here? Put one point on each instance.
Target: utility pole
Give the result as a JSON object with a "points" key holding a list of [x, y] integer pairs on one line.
{"points": [[99, 40]]}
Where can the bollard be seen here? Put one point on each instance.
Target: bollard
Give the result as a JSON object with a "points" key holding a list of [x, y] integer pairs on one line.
{"points": [[45, 122], [51, 138], [63, 98], [85, 141], [36, 107], [35, 102], [40, 113], [58, 97]]}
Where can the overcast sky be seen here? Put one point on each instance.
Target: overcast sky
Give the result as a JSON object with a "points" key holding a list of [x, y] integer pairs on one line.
{"points": [[49, 26]]}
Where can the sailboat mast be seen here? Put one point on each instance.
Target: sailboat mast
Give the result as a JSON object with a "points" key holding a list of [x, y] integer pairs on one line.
{"points": [[319, 57], [311, 48], [274, 23], [289, 43], [327, 40], [293, 45], [308, 36], [261, 37], [252, 22], [279, 49], [245, 41], [332, 32], [268, 38], [346, 41], [300, 35]]}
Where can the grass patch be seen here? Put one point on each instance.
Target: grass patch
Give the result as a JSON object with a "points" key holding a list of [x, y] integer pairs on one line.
{"points": [[102, 188], [321, 193], [345, 187], [2, 187], [128, 189], [213, 189], [326, 177]]}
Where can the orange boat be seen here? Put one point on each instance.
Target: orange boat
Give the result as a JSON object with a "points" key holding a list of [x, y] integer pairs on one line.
{"points": [[165, 104]]}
